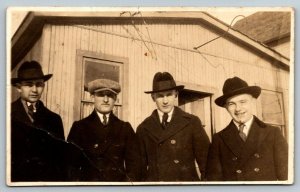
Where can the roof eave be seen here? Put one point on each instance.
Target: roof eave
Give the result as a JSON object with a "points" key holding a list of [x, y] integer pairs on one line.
{"points": [[31, 29]]}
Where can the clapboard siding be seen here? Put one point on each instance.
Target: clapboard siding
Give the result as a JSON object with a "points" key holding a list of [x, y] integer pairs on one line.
{"points": [[171, 50]]}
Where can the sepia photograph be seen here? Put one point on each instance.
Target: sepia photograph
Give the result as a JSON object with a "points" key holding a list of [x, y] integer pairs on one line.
{"points": [[149, 96]]}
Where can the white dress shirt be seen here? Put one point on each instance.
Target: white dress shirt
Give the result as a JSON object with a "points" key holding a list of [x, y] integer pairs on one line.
{"points": [[247, 125], [100, 115], [160, 114]]}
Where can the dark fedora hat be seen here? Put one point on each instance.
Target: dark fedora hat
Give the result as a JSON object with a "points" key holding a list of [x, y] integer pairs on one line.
{"points": [[30, 70], [163, 81], [235, 86]]}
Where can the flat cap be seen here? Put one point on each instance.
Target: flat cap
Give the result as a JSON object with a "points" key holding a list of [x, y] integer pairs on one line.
{"points": [[102, 85]]}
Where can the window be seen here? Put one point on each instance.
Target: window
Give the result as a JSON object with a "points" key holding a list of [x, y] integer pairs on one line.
{"points": [[272, 109], [199, 104], [97, 68]]}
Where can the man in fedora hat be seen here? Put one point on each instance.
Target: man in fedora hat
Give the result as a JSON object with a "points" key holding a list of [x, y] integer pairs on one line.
{"points": [[171, 140], [35, 130], [108, 142], [247, 149]]}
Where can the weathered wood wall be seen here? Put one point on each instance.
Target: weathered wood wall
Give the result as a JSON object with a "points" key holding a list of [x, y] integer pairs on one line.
{"points": [[151, 48]]}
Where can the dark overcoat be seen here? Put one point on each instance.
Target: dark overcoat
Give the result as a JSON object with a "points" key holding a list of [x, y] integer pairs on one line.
{"points": [[263, 157], [35, 147], [111, 149], [169, 154]]}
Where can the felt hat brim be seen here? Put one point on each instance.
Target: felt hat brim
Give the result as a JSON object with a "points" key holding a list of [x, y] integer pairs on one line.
{"points": [[178, 88], [15, 81], [252, 90]]}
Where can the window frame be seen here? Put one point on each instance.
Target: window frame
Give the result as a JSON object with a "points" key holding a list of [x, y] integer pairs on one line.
{"points": [[283, 127], [81, 56]]}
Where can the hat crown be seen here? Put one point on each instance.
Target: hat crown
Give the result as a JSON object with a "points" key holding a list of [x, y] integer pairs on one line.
{"points": [[233, 84], [30, 70], [162, 81]]}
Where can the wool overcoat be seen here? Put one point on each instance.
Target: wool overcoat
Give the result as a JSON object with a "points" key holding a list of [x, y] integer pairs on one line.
{"points": [[170, 154], [111, 149], [263, 157], [36, 147]]}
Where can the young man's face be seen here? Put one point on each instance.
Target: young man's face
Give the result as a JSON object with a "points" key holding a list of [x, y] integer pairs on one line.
{"points": [[165, 100], [31, 91], [104, 101], [240, 107]]}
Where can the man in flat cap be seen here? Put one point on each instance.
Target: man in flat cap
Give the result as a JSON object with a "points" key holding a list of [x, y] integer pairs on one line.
{"points": [[109, 143], [247, 149], [171, 140], [35, 130]]}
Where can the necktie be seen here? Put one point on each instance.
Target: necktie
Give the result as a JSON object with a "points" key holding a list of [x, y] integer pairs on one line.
{"points": [[241, 132], [165, 120], [31, 111], [104, 120]]}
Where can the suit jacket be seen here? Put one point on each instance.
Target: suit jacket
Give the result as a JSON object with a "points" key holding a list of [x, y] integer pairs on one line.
{"points": [[35, 147], [111, 149], [170, 154], [263, 157]]}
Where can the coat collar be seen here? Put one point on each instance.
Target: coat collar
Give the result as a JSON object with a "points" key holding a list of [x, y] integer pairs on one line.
{"points": [[20, 114], [255, 137], [94, 117], [179, 121], [113, 128]]}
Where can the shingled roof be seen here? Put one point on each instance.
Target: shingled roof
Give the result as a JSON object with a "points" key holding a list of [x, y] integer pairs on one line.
{"points": [[265, 26]]}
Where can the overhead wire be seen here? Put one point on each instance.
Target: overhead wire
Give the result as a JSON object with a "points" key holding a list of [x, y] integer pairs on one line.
{"points": [[203, 54], [165, 45], [140, 34]]}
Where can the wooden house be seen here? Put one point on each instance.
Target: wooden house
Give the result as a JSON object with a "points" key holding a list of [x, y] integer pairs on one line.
{"points": [[200, 52]]}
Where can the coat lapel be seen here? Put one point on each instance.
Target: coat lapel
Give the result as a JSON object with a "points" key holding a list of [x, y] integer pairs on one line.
{"points": [[177, 123], [154, 127], [256, 136], [232, 139], [19, 112], [113, 129], [95, 122]]}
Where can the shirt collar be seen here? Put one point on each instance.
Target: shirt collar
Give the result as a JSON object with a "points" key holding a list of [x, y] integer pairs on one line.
{"points": [[160, 114], [247, 125], [100, 115], [26, 105]]}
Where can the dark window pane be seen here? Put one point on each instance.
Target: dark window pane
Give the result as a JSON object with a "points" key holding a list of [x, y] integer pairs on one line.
{"points": [[272, 111], [100, 70]]}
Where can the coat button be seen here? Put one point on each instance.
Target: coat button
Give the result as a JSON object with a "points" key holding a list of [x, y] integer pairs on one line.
{"points": [[238, 171], [256, 155], [116, 157], [173, 141], [176, 161], [256, 169], [234, 158], [96, 146]]}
